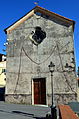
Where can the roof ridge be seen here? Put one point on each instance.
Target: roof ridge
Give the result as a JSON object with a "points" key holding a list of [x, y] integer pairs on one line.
{"points": [[54, 13], [31, 12]]}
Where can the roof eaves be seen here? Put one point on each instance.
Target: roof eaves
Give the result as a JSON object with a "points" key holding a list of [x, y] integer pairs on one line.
{"points": [[55, 14], [45, 11], [5, 30]]}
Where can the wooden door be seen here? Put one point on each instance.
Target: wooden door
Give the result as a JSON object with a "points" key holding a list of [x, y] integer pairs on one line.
{"points": [[39, 91]]}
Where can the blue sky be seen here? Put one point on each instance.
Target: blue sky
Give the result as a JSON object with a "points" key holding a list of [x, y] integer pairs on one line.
{"points": [[12, 10]]}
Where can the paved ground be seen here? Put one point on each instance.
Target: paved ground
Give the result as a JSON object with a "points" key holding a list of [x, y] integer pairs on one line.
{"points": [[17, 111]]}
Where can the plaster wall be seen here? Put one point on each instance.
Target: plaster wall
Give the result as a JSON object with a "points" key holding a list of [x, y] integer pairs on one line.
{"points": [[2, 74], [26, 61]]}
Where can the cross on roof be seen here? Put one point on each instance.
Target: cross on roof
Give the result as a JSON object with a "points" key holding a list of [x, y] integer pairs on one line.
{"points": [[36, 2]]}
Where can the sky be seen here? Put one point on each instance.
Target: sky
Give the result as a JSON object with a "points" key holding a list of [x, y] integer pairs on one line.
{"points": [[12, 10]]}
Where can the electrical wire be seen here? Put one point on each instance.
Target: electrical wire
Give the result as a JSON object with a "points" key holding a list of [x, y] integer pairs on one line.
{"points": [[18, 72], [22, 49], [42, 61], [59, 54], [63, 68]]}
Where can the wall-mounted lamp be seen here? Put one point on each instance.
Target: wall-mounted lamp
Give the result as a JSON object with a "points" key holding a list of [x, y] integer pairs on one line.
{"points": [[6, 43], [78, 72], [51, 67], [69, 67]]}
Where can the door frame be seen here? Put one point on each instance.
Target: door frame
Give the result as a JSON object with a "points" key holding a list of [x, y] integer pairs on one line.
{"points": [[33, 88]]}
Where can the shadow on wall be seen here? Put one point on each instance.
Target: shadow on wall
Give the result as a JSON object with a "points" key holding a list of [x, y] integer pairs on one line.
{"points": [[2, 94]]}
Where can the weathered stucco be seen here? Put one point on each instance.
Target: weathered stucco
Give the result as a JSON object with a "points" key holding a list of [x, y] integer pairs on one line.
{"points": [[26, 61]]}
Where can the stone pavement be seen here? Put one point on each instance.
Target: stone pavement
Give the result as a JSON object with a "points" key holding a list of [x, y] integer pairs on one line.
{"points": [[18, 111]]}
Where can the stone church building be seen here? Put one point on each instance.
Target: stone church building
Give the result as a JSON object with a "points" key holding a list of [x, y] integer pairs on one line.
{"points": [[35, 40]]}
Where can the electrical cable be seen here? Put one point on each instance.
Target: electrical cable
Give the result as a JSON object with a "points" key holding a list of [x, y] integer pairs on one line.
{"points": [[63, 68], [18, 71], [42, 61], [22, 49]]}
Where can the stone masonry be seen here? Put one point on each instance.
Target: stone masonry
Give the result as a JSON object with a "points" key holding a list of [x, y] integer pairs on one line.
{"points": [[26, 61]]}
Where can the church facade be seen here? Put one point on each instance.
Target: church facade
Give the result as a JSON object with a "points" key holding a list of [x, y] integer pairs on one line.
{"points": [[35, 40]]}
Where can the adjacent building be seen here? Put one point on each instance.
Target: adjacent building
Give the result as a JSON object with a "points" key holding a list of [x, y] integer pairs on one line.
{"points": [[2, 76], [35, 40]]}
